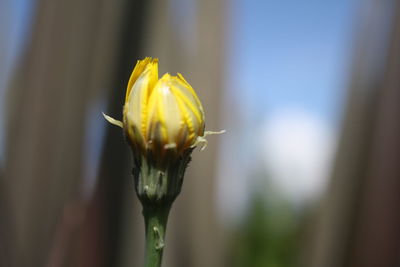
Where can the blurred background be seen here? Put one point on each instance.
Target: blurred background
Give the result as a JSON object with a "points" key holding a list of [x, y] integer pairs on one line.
{"points": [[307, 173]]}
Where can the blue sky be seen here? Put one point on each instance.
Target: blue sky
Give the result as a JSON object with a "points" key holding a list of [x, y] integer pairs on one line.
{"points": [[287, 52], [287, 69]]}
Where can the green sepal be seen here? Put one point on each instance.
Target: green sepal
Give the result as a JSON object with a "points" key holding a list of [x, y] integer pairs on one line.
{"points": [[157, 183]]}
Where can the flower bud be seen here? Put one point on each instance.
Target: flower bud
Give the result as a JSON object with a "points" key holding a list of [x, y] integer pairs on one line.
{"points": [[161, 115]]}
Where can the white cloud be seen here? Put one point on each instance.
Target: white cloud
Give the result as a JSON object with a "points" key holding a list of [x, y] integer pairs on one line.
{"points": [[293, 149], [297, 153]]}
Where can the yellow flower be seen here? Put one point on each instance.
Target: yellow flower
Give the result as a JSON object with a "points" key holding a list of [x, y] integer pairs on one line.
{"points": [[161, 115]]}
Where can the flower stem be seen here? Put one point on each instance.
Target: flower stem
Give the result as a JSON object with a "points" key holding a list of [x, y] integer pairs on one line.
{"points": [[155, 218]]}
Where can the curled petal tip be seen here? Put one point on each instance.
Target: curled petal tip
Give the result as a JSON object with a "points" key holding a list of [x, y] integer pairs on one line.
{"points": [[212, 132], [202, 141], [112, 120]]}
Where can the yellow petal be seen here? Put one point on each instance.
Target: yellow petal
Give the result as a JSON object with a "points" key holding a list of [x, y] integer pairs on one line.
{"points": [[190, 103], [135, 109], [141, 66], [190, 88], [165, 116]]}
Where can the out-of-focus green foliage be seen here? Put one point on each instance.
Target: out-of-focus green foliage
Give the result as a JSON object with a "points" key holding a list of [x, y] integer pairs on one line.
{"points": [[267, 237]]}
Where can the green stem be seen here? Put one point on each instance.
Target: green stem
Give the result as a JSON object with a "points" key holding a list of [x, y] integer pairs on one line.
{"points": [[155, 218]]}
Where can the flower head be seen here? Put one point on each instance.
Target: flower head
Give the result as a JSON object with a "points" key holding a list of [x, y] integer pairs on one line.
{"points": [[161, 116]]}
